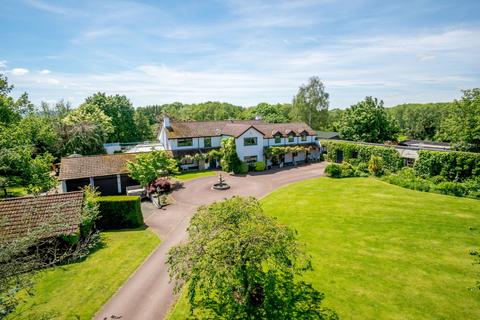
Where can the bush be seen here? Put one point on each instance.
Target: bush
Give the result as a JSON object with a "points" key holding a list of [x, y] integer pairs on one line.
{"points": [[347, 170], [451, 188], [118, 212], [450, 165], [472, 187], [406, 178], [357, 153], [160, 185], [242, 168], [260, 166], [375, 165], [333, 170]]}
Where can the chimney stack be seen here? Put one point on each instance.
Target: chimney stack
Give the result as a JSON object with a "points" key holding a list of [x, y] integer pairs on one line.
{"points": [[166, 122]]}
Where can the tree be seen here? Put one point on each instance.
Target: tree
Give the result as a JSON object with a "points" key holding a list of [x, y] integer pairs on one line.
{"points": [[367, 121], [461, 125], [310, 105], [92, 115], [121, 113], [271, 113], [84, 138], [147, 167], [145, 130], [229, 160], [240, 264]]}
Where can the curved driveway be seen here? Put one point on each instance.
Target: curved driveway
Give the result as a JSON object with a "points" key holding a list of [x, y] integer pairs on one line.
{"points": [[147, 294]]}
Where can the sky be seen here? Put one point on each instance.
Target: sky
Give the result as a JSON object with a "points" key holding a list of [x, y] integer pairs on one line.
{"points": [[243, 52]]}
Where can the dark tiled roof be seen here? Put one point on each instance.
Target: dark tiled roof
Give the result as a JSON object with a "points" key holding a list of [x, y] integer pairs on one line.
{"points": [[191, 129], [56, 214], [94, 166]]}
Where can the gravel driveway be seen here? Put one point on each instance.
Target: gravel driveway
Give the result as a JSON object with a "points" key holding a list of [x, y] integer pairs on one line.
{"points": [[147, 294]]}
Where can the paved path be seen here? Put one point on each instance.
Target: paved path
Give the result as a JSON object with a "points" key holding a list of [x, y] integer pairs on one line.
{"points": [[147, 294]]}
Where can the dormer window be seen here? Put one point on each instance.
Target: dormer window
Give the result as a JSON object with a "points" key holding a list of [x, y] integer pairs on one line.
{"points": [[278, 138], [291, 137]]}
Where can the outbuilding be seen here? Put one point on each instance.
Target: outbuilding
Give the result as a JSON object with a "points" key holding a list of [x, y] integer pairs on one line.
{"points": [[107, 172]]}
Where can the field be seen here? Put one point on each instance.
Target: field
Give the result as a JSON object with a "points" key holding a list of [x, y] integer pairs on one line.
{"points": [[78, 290], [195, 174], [383, 252]]}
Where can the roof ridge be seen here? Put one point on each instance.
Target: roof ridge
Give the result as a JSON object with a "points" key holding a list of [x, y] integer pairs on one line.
{"points": [[41, 196]]}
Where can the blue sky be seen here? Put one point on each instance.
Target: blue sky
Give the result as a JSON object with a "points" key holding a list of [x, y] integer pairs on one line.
{"points": [[243, 52]]}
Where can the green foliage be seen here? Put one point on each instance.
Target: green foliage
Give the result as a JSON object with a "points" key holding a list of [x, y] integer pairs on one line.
{"points": [[450, 165], [260, 166], [149, 166], [93, 115], [230, 161], [39, 171], [121, 112], [310, 105], [461, 125], [357, 153], [279, 150], [240, 264], [375, 165], [271, 113], [419, 121], [243, 168], [84, 139], [119, 212], [333, 170], [368, 121]]}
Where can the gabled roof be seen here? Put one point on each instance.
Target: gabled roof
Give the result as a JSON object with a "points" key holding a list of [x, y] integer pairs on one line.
{"points": [[56, 214], [234, 128], [327, 134], [94, 166]]}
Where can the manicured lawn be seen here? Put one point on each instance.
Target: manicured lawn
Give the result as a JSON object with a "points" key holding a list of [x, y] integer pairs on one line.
{"points": [[196, 174], [384, 252], [78, 290]]}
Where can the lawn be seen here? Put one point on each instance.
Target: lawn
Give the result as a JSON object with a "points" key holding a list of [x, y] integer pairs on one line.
{"points": [[380, 251], [195, 174], [78, 290], [14, 192]]}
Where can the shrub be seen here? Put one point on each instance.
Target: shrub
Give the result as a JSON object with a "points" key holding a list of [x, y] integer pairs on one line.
{"points": [[230, 161], [160, 185], [406, 178], [347, 170], [260, 166], [242, 168], [472, 187], [450, 188], [450, 165], [357, 153], [118, 212], [375, 165], [333, 170]]}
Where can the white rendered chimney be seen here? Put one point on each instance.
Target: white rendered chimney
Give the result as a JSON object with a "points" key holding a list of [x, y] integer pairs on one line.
{"points": [[166, 121]]}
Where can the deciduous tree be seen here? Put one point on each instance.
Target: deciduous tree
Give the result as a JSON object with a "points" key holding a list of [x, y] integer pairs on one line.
{"points": [[147, 167], [240, 264], [310, 105]]}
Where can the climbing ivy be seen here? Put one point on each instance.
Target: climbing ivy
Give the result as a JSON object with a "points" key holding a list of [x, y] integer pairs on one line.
{"points": [[450, 165]]}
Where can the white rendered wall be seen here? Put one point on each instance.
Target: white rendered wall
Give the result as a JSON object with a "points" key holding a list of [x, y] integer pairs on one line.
{"points": [[245, 151]]}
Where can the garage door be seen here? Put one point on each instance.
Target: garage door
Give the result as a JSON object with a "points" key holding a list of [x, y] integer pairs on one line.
{"points": [[77, 184], [127, 182], [107, 186]]}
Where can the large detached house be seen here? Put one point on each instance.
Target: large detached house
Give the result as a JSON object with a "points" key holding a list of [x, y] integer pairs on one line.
{"points": [[252, 138]]}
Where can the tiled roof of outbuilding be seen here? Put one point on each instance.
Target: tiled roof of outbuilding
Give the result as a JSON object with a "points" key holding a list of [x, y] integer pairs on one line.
{"points": [[56, 214], [94, 166]]}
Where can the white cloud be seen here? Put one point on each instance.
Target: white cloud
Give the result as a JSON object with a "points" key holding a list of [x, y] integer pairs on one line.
{"points": [[41, 5], [19, 71], [3, 64], [45, 71]]}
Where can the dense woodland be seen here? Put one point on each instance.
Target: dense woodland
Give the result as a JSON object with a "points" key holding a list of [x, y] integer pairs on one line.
{"points": [[32, 137]]}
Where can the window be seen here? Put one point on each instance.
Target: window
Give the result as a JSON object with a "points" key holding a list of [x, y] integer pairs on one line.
{"points": [[291, 138], [185, 142], [207, 142], [278, 139], [250, 159], [250, 141], [304, 138]]}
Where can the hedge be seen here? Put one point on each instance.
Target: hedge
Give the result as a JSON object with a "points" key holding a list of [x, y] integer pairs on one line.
{"points": [[118, 212], [357, 153], [450, 165]]}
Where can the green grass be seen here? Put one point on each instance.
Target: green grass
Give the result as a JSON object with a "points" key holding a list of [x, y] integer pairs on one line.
{"points": [[195, 174], [78, 290], [380, 251], [14, 192]]}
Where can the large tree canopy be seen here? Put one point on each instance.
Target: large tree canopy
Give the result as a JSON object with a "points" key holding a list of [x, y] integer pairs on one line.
{"points": [[120, 111], [272, 113], [461, 125], [310, 105], [367, 121], [240, 264], [149, 166]]}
